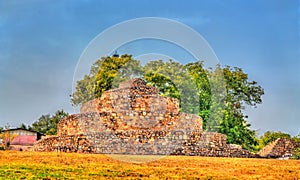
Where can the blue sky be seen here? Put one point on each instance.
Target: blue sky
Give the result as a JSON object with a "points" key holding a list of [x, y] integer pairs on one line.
{"points": [[41, 42]]}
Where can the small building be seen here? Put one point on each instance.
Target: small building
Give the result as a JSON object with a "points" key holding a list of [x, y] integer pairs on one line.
{"points": [[22, 139]]}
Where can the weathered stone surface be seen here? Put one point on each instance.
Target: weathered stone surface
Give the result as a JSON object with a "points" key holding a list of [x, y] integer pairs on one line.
{"points": [[278, 148], [80, 124], [145, 143], [68, 143], [90, 106], [121, 100], [134, 119], [135, 83], [134, 106]]}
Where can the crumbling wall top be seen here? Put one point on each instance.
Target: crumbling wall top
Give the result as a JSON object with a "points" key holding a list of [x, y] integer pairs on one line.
{"points": [[132, 83]]}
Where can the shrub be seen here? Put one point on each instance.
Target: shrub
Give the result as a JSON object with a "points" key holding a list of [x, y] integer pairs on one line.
{"points": [[296, 154]]}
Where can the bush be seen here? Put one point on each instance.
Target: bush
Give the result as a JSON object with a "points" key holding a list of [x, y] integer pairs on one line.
{"points": [[296, 154], [271, 136]]}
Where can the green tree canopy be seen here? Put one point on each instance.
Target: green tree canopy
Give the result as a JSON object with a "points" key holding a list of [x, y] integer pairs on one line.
{"points": [[105, 74], [240, 92], [218, 95], [173, 80], [47, 124], [270, 136], [23, 126]]}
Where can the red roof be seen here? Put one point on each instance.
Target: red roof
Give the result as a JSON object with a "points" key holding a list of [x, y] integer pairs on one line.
{"points": [[24, 140]]}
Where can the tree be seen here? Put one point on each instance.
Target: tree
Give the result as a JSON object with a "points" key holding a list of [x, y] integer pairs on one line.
{"points": [[239, 93], [296, 154], [47, 124], [271, 136], [105, 74], [23, 126], [164, 84], [237, 129], [223, 95], [131, 69], [297, 139], [173, 80], [42, 125], [218, 95], [200, 77], [7, 137], [59, 115]]}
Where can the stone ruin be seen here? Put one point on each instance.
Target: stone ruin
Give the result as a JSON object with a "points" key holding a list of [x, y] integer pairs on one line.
{"points": [[134, 119], [281, 147]]}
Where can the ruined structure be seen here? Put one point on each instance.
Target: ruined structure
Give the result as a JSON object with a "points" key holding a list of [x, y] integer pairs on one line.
{"points": [[281, 147], [134, 119]]}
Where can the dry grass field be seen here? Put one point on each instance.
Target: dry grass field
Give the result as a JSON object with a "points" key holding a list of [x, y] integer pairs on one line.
{"points": [[34, 165]]}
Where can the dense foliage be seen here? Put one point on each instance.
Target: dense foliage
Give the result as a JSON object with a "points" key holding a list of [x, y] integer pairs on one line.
{"points": [[239, 93], [105, 73], [296, 154], [47, 124], [270, 136], [218, 95]]}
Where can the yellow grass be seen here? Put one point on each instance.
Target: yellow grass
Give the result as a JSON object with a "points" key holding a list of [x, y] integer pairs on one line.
{"points": [[35, 165]]}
